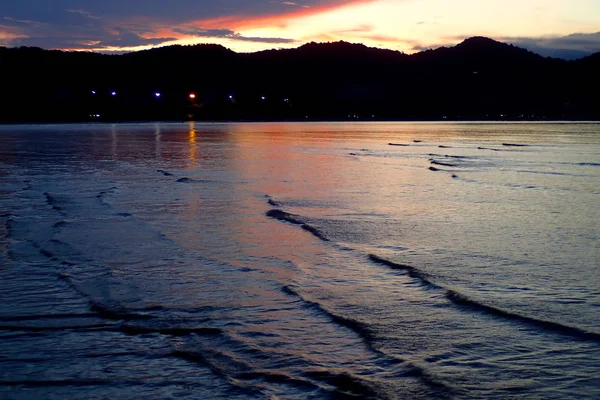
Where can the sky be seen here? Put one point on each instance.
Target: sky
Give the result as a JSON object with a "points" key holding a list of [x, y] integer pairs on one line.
{"points": [[563, 28]]}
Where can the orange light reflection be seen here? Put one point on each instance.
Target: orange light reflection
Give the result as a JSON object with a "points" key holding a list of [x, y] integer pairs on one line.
{"points": [[193, 153]]}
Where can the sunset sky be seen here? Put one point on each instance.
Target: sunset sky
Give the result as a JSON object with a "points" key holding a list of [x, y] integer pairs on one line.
{"points": [[567, 28]]}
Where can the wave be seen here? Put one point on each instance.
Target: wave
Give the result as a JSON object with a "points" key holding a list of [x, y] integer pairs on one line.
{"points": [[58, 322], [192, 180], [105, 192], [60, 224], [453, 296], [358, 327], [278, 378], [487, 148], [114, 311], [53, 202], [14, 318], [357, 385], [317, 233], [514, 145], [62, 382], [524, 171], [412, 271], [238, 372], [219, 370], [287, 217], [446, 156], [445, 389], [170, 328], [165, 173], [232, 359], [302, 203], [92, 382], [348, 385], [35, 328], [271, 201], [462, 300], [95, 288], [398, 144], [444, 164], [97, 321], [296, 220]]}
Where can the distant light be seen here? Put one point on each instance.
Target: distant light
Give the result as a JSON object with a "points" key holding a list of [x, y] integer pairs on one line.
{"points": [[93, 92], [113, 93], [231, 96], [192, 96], [97, 115], [157, 94], [263, 97]]}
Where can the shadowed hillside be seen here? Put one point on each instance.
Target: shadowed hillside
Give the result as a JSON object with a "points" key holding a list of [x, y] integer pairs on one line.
{"points": [[479, 79]]}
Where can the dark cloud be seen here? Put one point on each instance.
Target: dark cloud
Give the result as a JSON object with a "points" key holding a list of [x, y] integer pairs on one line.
{"points": [[226, 34], [173, 10], [130, 23], [124, 40], [261, 39], [419, 48], [572, 46], [131, 39], [87, 35], [199, 32]]}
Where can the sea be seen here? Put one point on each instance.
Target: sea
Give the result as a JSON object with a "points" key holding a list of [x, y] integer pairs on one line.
{"points": [[359, 260]]}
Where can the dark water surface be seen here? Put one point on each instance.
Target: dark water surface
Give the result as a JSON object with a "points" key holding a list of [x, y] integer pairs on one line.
{"points": [[294, 261]]}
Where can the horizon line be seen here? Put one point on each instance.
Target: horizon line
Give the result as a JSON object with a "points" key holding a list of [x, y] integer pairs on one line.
{"points": [[156, 47]]}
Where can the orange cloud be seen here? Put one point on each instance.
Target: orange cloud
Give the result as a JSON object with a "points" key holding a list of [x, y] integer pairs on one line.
{"points": [[279, 20], [382, 38], [9, 33]]}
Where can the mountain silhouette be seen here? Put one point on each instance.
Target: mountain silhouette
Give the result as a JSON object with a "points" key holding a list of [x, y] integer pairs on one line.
{"points": [[478, 79]]}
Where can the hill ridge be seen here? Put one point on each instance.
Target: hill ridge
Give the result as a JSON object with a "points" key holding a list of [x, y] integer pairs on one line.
{"points": [[478, 78]]}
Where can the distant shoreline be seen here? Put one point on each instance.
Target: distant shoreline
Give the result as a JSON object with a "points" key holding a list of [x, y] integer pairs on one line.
{"points": [[478, 80], [354, 121]]}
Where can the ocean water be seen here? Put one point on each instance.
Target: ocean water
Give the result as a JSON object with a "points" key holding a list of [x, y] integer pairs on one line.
{"points": [[300, 260]]}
